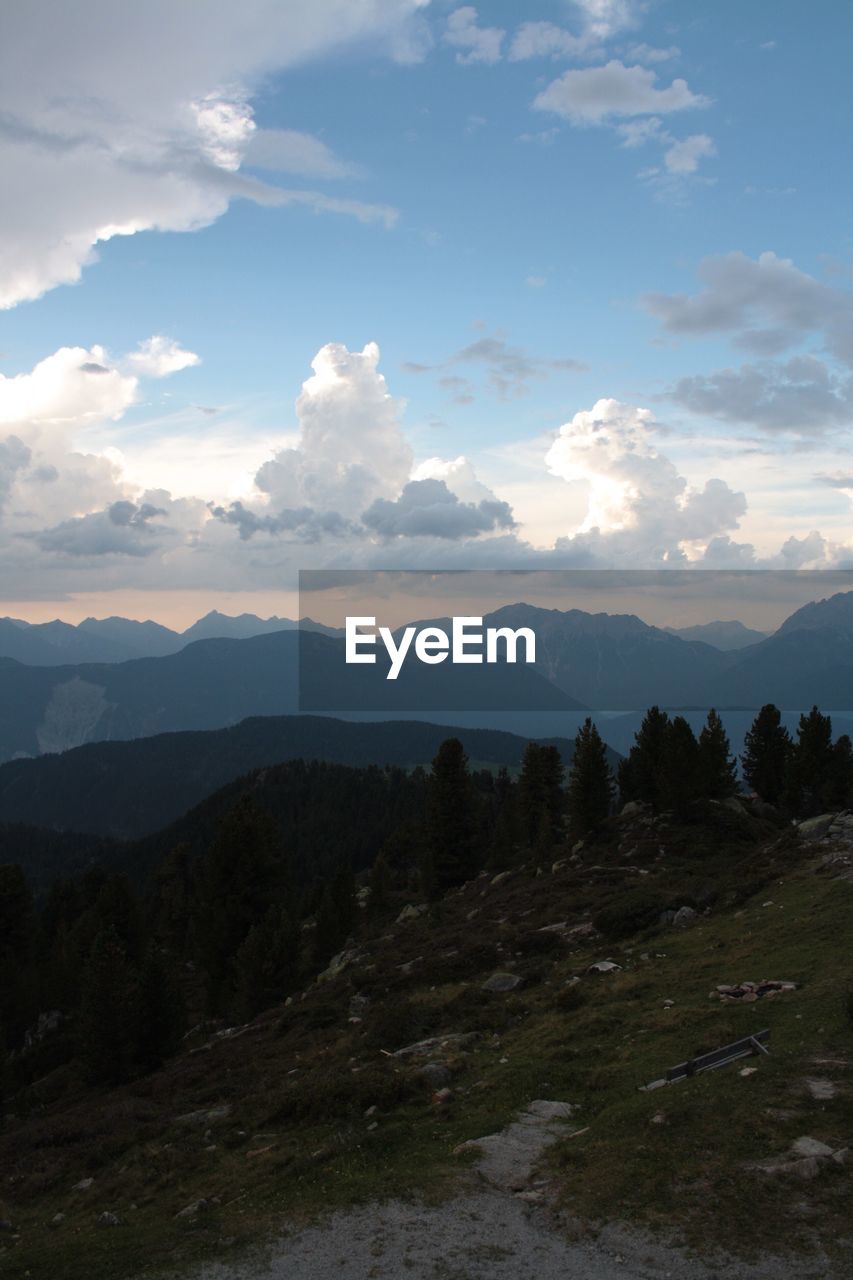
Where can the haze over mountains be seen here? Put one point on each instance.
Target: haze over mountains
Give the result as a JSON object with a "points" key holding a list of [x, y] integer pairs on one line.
{"points": [[584, 660]]}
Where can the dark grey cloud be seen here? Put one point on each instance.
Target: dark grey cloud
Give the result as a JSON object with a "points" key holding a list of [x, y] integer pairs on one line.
{"points": [[122, 528], [428, 509], [800, 395], [302, 523], [767, 304], [510, 369]]}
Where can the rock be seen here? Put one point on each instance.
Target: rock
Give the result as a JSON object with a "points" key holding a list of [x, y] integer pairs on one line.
{"points": [[412, 912], [194, 1209], [358, 1005], [841, 1156], [559, 927], [501, 876], [821, 1090], [683, 917], [807, 1147], [502, 982], [201, 1119], [107, 1219], [57, 1219], [338, 963], [558, 865], [426, 1048], [604, 966], [84, 1184], [630, 809], [747, 1071], [441, 1097], [371, 1111], [732, 802], [816, 828], [434, 1074]]}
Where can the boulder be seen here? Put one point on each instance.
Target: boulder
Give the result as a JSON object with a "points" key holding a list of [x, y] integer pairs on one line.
{"points": [[604, 966], [809, 1147], [434, 1074], [501, 982], [412, 912], [107, 1219], [683, 917], [194, 1209], [816, 828]]}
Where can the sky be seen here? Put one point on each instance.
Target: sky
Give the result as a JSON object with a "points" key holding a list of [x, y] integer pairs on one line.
{"points": [[364, 284]]}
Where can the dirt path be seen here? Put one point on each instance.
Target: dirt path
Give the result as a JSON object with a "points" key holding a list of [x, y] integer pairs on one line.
{"points": [[483, 1235]]}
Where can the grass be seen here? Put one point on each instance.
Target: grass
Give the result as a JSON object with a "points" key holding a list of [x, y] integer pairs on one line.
{"points": [[298, 1143]]}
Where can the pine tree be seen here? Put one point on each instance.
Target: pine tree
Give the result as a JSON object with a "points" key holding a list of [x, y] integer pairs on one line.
{"points": [[809, 765], [106, 1022], [768, 748], [590, 788], [452, 854], [380, 886], [678, 784], [717, 770], [267, 963], [336, 915], [238, 879], [18, 994], [641, 772], [160, 1011], [541, 799], [837, 791]]}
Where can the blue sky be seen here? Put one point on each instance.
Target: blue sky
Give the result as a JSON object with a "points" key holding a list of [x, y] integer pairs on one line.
{"points": [[603, 247]]}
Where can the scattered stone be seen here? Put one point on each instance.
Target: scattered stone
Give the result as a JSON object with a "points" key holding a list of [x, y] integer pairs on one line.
{"points": [[683, 917], [604, 966], [658, 1118], [57, 1219], [749, 992], [560, 927], [747, 1071], [842, 1156], [631, 808], [500, 982], [84, 1184], [501, 876], [441, 1097], [558, 865], [107, 1219]]}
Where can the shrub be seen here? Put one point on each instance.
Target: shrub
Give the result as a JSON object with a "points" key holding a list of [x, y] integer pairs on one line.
{"points": [[629, 913]]}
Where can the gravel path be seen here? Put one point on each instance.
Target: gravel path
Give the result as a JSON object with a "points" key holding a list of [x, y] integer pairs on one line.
{"points": [[483, 1235]]}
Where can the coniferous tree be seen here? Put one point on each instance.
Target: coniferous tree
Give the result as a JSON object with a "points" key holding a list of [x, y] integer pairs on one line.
{"points": [[380, 886], [541, 799], [810, 765], [641, 772], [838, 785], [717, 770], [18, 992], [160, 1011], [106, 1022], [238, 879], [451, 854], [679, 780], [590, 788], [267, 963], [336, 915], [767, 753]]}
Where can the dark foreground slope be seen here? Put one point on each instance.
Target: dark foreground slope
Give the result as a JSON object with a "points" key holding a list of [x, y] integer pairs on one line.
{"points": [[130, 789], [315, 1104]]}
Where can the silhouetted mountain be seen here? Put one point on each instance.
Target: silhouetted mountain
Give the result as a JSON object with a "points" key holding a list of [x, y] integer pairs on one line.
{"points": [[835, 612], [128, 789], [721, 635], [243, 627], [139, 639]]}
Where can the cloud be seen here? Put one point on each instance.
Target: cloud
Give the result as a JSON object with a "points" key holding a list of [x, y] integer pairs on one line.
{"points": [[158, 356], [800, 395], [683, 156], [650, 53], [510, 369], [123, 528], [836, 480], [303, 524], [351, 449], [427, 508], [478, 44], [115, 120], [545, 40], [767, 305], [640, 510], [600, 95]]}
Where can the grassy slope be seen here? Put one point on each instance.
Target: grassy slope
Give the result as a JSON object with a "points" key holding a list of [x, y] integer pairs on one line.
{"points": [[300, 1079]]}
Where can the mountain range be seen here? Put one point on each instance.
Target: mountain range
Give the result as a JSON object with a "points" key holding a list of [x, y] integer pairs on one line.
{"points": [[584, 660]]}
